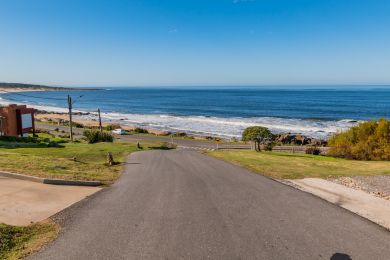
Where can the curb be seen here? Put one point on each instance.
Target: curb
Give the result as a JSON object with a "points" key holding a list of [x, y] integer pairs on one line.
{"points": [[50, 181]]}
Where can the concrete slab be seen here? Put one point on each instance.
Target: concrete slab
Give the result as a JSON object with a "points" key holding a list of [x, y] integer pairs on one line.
{"points": [[360, 202], [23, 202]]}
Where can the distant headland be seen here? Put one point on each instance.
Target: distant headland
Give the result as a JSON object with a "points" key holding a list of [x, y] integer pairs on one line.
{"points": [[22, 87]]}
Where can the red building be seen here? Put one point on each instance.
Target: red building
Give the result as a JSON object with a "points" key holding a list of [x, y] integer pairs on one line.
{"points": [[16, 120]]}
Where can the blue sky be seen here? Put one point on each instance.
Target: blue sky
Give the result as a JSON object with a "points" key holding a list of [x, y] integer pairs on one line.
{"points": [[195, 42]]}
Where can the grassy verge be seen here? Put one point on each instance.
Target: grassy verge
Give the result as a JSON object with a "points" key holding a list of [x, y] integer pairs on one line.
{"points": [[17, 242], [80, 161], [295, 166]]}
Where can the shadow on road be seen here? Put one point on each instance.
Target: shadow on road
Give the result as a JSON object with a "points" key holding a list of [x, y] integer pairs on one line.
{"points": [[340, 256]]}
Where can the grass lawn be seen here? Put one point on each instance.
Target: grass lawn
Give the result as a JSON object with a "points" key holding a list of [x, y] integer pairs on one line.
{"points": [[17, 242], [296, 166], [57, 162]]}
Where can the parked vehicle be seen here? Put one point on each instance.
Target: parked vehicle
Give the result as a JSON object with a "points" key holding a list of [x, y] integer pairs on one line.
{"points": [[119, 131]]}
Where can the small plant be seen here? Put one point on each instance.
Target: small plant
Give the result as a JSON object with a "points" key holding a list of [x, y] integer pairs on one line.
{"points": [[313, 150], [112, 127], [139, 130], [94, 136], [165, 146], [180, 134], [20, 139]]}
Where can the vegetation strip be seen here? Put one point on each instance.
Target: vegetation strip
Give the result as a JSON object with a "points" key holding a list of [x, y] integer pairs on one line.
{"points": [[19, 241], [295, 166]]}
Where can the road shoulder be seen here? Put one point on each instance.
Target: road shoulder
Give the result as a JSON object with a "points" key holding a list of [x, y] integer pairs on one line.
{"points": [[362, 203]]}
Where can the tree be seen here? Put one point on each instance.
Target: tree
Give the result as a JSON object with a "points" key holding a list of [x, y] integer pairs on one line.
{"points": [[259, 135]]}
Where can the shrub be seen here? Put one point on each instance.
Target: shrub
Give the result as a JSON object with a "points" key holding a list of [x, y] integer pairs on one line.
{"points": [[112, 127], [367, 141], [94, 136], [256, 132], [312, 150], [180, 134], [106, 137], [20, 139], [74, 124], [165, 146], [139, 130]]}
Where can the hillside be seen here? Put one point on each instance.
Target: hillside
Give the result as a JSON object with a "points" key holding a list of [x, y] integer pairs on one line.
{"points": [[32, 87], [26, 86]]}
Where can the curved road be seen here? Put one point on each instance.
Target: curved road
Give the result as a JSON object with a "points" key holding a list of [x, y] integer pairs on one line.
{"points": [[181, 204]]}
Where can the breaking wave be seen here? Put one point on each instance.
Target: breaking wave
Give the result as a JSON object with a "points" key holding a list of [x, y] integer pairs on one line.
{"points": [[215, 126]]}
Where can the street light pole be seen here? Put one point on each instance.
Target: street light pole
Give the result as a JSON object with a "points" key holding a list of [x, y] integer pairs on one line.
{"points": [[70, 117]]}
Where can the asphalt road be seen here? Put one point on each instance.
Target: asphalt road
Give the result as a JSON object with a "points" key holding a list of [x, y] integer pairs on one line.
{"points": [[181, 204]]}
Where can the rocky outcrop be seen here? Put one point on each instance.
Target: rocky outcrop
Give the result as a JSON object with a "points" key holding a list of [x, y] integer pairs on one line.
{"points": [[298, 139]]}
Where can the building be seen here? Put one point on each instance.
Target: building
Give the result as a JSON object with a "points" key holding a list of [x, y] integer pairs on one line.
{"points": [[16, 120]]}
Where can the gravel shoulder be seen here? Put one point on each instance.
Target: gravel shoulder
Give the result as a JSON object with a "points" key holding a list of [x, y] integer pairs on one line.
{"points": [[378, 186]]}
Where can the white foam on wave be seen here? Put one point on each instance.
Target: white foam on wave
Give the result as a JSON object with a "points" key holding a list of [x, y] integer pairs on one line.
{"points": [[215, 126], [230, 127]]}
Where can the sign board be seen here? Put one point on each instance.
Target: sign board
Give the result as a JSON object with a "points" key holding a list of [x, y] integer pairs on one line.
{"points": [[26, 121]]}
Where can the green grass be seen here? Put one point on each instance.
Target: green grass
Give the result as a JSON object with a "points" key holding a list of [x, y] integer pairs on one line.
{"points": [[57, 162], [17, 242], [296, 166]]}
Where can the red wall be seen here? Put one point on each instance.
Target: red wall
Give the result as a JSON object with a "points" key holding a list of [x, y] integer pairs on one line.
{"points": [[12, 115]]}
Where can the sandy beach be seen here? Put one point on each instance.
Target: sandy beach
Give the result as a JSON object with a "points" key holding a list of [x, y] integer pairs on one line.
{"points": [[80, 119], [5, 90]]}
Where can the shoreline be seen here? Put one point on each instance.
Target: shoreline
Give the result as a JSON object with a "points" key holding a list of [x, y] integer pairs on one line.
{"points": [[79, 118], [14, 90]]}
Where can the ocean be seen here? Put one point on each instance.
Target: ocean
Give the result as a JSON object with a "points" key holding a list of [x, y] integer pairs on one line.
{"points": [[316, 111]]}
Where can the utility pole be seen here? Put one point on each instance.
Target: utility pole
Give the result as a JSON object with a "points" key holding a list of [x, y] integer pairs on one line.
{"points": [[70, 117], [100, 121]]}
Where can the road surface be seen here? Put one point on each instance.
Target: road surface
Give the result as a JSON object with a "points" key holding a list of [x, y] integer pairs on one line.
{"points": [[180, 204]]}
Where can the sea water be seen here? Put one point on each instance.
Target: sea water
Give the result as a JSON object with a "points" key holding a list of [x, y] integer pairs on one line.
{"points": [[315, 111]]}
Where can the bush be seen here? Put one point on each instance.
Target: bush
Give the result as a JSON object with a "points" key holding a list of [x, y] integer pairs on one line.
{"points": [[267, 146], [255, 132], [312, 150], [20, 139], [139, 130], [74, 124], [367, 141], [112, 127], [94, 136]]}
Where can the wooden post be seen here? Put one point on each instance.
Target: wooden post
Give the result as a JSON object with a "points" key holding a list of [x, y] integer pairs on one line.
{"points": [[100, 121], [110, 159], [70, 117]]}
